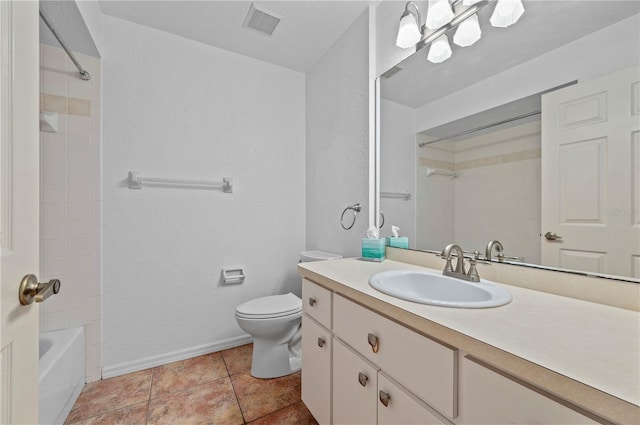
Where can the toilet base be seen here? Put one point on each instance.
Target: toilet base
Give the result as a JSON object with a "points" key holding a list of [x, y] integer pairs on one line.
{"points": [[272, 360]]}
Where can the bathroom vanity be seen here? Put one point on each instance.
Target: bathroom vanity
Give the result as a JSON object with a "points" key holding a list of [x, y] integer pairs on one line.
{"points": [[371, 358]]}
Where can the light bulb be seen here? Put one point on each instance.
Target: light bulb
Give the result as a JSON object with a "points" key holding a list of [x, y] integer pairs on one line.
{"points": [[468, 32], [506, 13], [408, 32], [438, 14], [440, 50]]}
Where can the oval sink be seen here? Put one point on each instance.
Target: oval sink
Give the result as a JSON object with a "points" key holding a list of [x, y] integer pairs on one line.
{"points": [[435, 289]]}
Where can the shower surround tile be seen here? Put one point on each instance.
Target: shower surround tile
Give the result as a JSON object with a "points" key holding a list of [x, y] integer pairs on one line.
{"points": [[71, 181]]}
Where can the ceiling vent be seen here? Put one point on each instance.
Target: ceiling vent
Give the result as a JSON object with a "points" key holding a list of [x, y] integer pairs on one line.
{"points": [[261, 19]]}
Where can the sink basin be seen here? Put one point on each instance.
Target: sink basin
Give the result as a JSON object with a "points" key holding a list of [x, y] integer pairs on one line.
{"points": [[435, 289]]}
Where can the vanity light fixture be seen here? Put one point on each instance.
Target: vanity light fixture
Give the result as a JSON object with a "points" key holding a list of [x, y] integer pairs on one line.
{"points": [[506, 13], [468, 32], [409, 31], [445, 15], [440, 50], [439, 13]]}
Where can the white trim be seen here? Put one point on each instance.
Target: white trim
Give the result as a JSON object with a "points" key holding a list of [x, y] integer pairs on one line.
{"points": [[162, 359], [6, 128]]}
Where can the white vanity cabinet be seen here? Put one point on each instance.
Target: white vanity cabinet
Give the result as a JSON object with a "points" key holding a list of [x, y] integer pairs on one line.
{"points": [[423, 366], [355, 387], [398, 407], [317, 343], [493, 397], [359, 367]]}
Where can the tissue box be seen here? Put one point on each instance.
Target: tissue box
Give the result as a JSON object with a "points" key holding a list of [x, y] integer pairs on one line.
{"points": [[373, 249], [399, 242]]}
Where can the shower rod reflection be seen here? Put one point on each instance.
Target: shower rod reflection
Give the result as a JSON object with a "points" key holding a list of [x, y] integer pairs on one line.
{"points": [[484, 127], [84, 74]]}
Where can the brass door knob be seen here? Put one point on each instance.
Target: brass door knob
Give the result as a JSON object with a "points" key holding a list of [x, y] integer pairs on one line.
{"points": [[31, 290]]}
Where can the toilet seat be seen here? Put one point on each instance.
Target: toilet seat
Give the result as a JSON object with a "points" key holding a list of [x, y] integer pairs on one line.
{"points": [[270, 307]]}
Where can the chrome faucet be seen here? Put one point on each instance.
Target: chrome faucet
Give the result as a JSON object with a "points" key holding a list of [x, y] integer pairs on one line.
{"points": [[459, 272], [488, 252]]}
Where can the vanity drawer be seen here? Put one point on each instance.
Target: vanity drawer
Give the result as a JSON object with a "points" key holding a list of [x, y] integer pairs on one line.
{"points": [[316, 302], [400, 407], [492, 396], [425, 367]]}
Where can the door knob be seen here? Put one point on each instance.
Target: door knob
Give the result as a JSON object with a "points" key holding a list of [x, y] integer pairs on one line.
{"points": [[31, 290], [550, 236]]}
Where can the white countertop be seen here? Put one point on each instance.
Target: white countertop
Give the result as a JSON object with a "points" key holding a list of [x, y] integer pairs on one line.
{"points": [[594, 344]]}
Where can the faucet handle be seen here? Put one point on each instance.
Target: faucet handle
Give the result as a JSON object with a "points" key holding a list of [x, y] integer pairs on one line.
{"points": [[473, 271]]}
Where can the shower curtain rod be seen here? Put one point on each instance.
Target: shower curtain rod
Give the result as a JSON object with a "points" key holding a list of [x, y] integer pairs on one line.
{"points": [[84, 74], [484, 127]]}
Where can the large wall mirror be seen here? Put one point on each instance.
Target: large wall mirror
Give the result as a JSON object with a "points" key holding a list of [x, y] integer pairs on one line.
{"points": [[532, 131]]}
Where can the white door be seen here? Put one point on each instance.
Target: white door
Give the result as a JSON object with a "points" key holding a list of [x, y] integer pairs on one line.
{"points": [[19, 209], [591, 175]]}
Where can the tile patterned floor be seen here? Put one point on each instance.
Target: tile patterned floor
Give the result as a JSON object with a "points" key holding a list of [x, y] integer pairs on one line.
{"points": [[215, 388]]}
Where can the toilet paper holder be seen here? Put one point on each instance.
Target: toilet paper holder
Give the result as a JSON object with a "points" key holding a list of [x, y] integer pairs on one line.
{"points": [[230, 276]]}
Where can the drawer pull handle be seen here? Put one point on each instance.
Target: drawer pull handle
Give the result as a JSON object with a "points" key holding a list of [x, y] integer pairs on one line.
{"points": [[374, 342], [321, 342], [362, 378], [384, 398], [312, 301]]}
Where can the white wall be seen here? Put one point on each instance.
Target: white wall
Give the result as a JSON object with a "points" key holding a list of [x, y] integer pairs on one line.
{"points": [[398, 133], [337, 121], [177, 108], [70, 199]]}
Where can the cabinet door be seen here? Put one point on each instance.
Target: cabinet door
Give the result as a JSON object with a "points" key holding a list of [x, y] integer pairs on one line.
{"points": [[425, 367], [397, 407], [355, 384], [316, 369], [488, 397], [316, 302]]}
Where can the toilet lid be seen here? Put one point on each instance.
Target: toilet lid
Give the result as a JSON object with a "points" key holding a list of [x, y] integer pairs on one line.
{"points": [[271, 306]]}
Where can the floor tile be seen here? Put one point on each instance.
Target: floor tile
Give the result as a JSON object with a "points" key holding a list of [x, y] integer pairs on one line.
{"points": [[132, 415], [188, 373], [259, 397], [238, 359], [104, 396], [211, 403], [298, 414]]}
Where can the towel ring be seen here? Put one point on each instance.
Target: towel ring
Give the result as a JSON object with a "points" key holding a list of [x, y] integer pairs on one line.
{"points": [[356, 209], [382, 217]]}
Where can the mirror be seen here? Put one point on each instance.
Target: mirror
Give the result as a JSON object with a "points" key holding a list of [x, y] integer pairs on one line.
{"points": [[456, 166]]}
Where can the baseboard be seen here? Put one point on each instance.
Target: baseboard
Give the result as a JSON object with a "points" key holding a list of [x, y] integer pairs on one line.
{"points": [[153, 361]]}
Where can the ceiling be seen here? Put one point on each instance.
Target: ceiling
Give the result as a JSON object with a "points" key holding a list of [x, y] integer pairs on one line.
{"points": [[545, 26], [305, 33], [68, 22]]}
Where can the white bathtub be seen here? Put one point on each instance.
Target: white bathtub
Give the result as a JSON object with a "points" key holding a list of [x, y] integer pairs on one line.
{"points": [[61, 376]]}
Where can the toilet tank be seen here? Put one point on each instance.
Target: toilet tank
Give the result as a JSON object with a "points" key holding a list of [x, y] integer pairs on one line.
{"points": [[306, 256]]}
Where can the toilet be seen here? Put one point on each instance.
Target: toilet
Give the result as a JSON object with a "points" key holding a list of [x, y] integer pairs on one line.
{"points": [[275, 323]]}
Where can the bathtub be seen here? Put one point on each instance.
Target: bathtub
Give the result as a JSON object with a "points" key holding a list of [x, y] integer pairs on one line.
{"points": [[61, 375]]}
